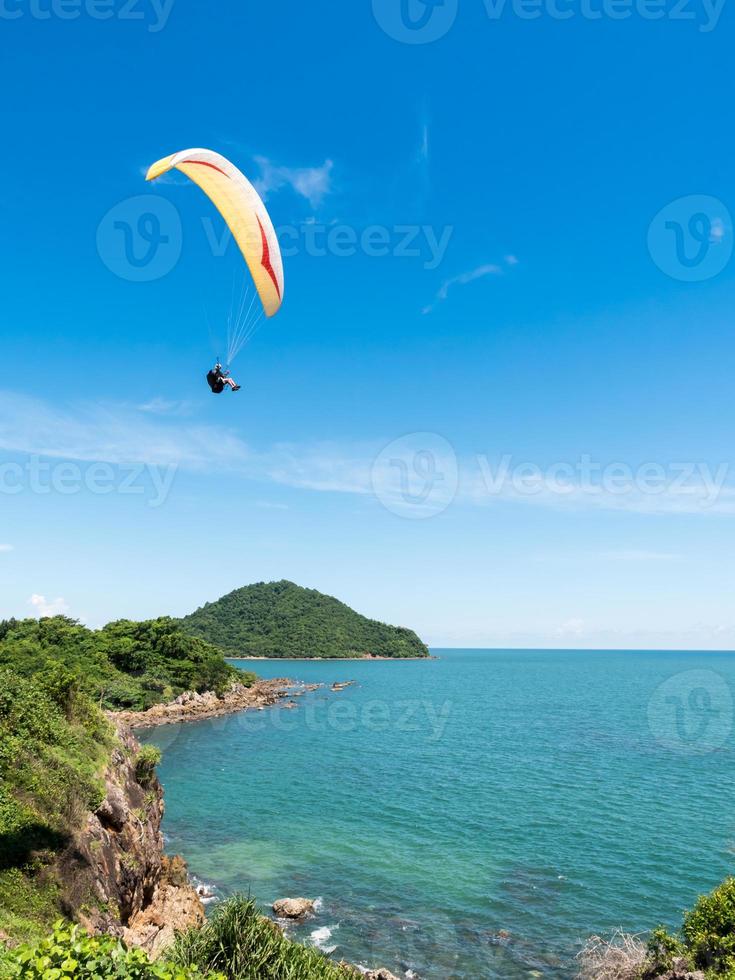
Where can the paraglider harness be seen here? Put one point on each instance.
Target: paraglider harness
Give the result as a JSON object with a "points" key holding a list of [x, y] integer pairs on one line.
{"points": [[215, 379]]}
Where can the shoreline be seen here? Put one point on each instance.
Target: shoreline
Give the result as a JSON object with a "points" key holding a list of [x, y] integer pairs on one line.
{"points": [[190, 706], [329, 660]]}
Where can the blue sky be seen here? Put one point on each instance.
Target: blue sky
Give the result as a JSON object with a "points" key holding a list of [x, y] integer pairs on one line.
{"points": [[509, 249]]}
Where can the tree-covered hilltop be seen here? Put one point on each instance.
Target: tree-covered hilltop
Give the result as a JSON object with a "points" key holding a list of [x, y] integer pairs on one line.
{"points": [[280, 619], [125, 665]]}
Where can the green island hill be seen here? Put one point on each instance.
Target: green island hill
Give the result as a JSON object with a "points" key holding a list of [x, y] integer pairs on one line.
{"points": [[281, 619]]}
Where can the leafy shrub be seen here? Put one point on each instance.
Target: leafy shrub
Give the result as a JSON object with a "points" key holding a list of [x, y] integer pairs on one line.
{"points": [[145, 764], [662, 949], [243, 945], [125, 665], [709, 929], [70, 952]]}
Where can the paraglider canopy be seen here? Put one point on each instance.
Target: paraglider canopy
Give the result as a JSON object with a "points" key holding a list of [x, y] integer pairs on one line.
{"points": [[244, 213]]}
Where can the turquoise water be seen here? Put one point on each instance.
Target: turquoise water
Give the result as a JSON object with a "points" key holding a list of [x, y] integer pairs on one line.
{"points": [[473, 816]]}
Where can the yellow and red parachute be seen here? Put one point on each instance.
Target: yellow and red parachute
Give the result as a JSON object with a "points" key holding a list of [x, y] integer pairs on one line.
{"points": [[244, 213]]}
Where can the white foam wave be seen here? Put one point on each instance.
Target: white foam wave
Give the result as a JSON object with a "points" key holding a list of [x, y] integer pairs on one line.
{"points": [[320, 937], [206, 893]]}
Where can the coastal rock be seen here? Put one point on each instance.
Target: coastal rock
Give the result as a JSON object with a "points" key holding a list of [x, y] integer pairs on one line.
{"points": [[114, 876], [293, 908], [380, 975], [341, 685], [681, 970], [113, 811], [190, 705], [174, 906]]}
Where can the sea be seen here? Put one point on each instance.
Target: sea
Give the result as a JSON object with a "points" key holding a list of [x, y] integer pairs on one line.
{"points": [[477, 815]]}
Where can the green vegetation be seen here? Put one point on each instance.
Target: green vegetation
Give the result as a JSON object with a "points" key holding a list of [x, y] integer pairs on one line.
{"points": [[709, 931], [243, 945], [69, 952], [280, 619], [54, 744], [237, 943], [125, 665], [145, 764], [705, 942]]}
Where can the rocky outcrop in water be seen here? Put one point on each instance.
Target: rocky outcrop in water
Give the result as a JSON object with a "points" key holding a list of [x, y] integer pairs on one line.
{"points": [[293, 908], [114, 876], [192, 706]]}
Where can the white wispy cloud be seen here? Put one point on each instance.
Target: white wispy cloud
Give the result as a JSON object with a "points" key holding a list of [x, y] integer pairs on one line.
{"points": [[635, 555], [312, 183], [99, 432], [45, 608], [423, 150], [572, 627], [464, 278], [164, 406], [5, 548], [122, 434]]}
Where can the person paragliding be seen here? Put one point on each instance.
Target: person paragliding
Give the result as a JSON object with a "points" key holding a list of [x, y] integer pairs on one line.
{"points": [[247, 218], [217, 379]]}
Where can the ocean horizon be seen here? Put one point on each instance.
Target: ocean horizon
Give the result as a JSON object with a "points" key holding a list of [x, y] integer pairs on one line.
{"points": [[477, 815]]}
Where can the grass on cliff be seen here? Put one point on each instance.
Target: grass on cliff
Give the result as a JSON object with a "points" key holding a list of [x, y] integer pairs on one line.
{"points": [[240, 943], [125, 665], [280, 619], [54, 745]]}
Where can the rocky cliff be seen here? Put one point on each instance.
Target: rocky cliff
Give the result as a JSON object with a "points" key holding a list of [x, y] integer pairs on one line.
{"points": [[114, 876]]}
